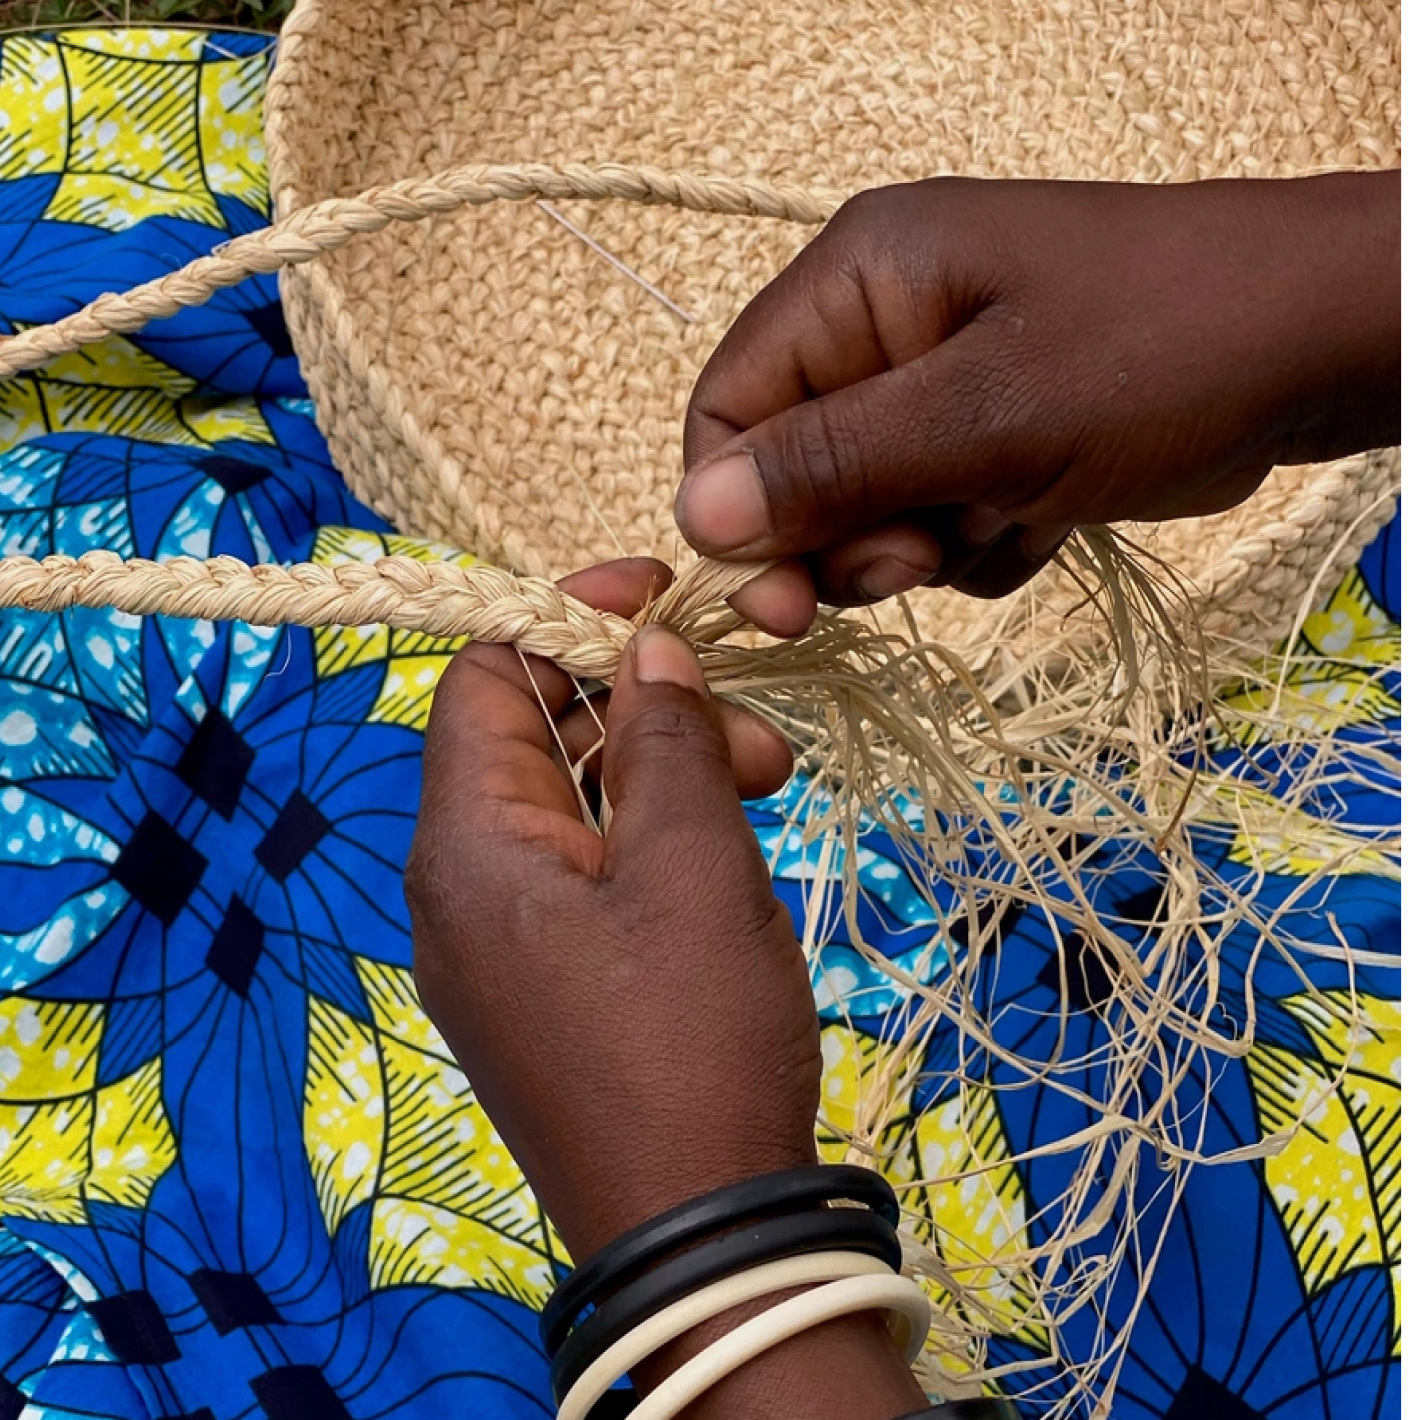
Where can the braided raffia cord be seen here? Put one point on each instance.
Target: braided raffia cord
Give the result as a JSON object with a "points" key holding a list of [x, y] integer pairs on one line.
{"points": [[405, 593], [327, 226], [484, 603]]}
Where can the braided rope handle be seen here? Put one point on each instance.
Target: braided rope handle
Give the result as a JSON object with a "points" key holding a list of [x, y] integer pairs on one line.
{"points": [[482, 602], [327, 226]]}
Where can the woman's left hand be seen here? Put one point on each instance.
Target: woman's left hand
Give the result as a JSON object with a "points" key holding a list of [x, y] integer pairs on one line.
{"points": [[633, 1012]]}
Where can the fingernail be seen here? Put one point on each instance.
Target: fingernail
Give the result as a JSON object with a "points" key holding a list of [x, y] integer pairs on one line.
{"points": [[1038, 544], [887, 577], [662, 658], [980, 525], [722, 506]]}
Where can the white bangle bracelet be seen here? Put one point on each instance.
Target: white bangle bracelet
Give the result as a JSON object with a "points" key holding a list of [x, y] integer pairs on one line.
{"points": [[900, 1295], [688, 1313]]}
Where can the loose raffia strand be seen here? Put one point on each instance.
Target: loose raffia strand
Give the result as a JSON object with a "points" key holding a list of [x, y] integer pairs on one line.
{"points": [[327, 226]]}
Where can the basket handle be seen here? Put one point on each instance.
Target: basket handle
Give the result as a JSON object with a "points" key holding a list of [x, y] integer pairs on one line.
{"points": [[328, 225], [483, 602]]}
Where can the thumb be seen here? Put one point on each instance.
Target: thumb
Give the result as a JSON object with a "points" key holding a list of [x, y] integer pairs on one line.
{"points": [[943, 430], [666, 769]]}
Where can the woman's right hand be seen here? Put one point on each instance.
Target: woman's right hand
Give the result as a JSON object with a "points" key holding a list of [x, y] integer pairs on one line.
{"points": [[956, 372]]}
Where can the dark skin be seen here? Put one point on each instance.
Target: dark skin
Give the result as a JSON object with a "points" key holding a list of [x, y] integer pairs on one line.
{"points": [[955, 373], [524, 916], [949, 378]]}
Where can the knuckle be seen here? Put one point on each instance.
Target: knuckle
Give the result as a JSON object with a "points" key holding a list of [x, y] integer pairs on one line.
{"points": [[866, 210], [824, 459], [666, 727], [417, 881], [429, 886], [459, 680], [895, 222]]}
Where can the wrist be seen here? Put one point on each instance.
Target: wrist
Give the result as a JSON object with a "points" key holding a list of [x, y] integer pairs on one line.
{"points": [[849, 1369], [1337, 262], [593, 1204], [724, 1258]]}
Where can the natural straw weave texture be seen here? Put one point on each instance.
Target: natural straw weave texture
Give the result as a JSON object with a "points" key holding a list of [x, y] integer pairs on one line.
{"points": [[487, 378]]}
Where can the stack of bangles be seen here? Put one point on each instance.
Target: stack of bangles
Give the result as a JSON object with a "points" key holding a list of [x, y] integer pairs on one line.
{"points": [[736, 1245]]}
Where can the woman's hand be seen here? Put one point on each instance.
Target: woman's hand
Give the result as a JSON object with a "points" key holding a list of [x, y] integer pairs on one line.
{"points": [[955, 373], [633, 1012]]}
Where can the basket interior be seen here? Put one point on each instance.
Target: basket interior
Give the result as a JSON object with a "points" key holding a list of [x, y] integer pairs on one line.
{"points": [[555, 381]]}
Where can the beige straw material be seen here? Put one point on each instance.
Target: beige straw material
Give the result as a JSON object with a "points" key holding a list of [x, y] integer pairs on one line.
{"points": [[482, 602], [513, 378], [490, 378]]}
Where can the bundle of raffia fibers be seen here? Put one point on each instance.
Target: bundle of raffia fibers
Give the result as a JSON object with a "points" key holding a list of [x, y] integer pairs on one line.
{"points": [[510, 234]]}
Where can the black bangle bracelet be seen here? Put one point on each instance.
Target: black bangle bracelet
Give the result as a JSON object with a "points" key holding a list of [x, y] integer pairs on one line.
{"points": [[614, 1405], [771, 1196], [821, 1230], [984, 1407], [618, 1405]]}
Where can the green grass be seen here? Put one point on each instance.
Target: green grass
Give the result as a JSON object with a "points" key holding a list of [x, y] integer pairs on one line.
{"points": [[243, 14]]}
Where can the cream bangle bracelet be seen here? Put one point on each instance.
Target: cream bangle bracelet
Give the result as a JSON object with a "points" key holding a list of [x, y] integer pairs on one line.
{"points": [[701, 1306], [900, 1295]]}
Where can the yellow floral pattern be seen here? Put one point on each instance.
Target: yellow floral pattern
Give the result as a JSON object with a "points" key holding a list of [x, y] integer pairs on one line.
{"points": [[63, 1140], [390, 1119], [1337, 1181], [141, 124], [115, 388]]}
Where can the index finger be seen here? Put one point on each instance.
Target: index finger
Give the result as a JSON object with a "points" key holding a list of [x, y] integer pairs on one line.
{"points": [[808, 333], [863, 298]]}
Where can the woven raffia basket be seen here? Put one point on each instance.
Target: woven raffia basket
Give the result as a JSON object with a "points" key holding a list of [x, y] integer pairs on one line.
{"points": [[487, 378], [500, 374]]}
